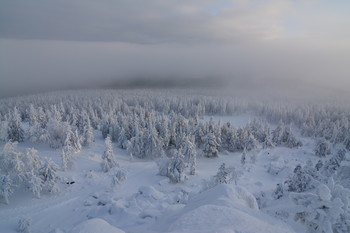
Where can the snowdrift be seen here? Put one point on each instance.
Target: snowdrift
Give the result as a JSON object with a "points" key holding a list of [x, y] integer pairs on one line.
{"points": [[95, 225], [224, 208]]}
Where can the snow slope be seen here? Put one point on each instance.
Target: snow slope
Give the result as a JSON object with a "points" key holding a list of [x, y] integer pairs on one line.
{"points": [[147, 202]]}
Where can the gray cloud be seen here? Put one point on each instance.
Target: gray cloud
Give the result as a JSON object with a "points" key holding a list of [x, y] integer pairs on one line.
{"points": [[141, 21], [83, 43]]}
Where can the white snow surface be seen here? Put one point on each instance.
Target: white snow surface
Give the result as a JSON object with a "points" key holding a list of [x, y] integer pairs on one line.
{"points": [[95, 225], [225, 208], [147, 202]]}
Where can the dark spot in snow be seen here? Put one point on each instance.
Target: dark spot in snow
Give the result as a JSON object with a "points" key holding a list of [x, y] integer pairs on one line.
{"points": [[101, 203]]}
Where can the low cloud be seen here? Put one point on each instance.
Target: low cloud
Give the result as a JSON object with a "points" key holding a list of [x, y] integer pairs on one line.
{"points": [[84, 43]]}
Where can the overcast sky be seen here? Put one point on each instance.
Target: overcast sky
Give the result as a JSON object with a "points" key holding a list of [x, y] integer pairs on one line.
{"points": [[71, 43]]}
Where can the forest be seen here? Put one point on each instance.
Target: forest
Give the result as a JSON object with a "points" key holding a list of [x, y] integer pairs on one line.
{"points": [[177, 130]]}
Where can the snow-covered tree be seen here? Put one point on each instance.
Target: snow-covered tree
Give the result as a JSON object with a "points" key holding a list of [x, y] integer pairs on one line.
{"points": [[123, 139], [211, 146], [266, 140], [288, 139], [15, 131], [109, 160], [244, 157], [67, 159], [225, 175], [34, 183], [118, 175], [48, 174], [153, 145], [72, 142], [136, 147], [88, 134], [322, 148], [278, 192], [57, 132], [228, 137], [277, 135], [6, 187], [332, 165], [33, 118], [325, 211], [302, 180], [190, 155], [24, 225], [176, 168]]}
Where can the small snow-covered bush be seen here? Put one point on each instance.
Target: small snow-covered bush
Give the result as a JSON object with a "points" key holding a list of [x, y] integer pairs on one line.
{"points": [[225, 175], [278, 192], [24, 225], [173, 168], [322, 148], [118, 175], [303, 179], [325, 211], [6, 187], [333, 164]]}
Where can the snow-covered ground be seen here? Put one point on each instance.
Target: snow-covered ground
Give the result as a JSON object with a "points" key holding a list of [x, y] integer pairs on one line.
{"points": [[147, 202]]}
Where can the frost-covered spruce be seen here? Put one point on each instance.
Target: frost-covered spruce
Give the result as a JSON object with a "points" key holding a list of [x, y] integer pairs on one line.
{"points": [[176, 168], [190, 155], [88, 134], [122, 139], [109, 160], [278, 192], [67, 160], [118, 175], [277, 135], [136, 146], [6, 187], [327, 210], [225, 175], [15, 131], [72, 143], [244, 157], [266, 140], [34, 183], [302, 179], [333, 164], [48, 174], [24, 225], [322, 148], [153, 145], [211, 146]]}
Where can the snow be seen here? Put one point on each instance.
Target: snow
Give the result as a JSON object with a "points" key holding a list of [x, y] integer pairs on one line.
{"points": [[224, 208], [95, 225], [148, 202]]}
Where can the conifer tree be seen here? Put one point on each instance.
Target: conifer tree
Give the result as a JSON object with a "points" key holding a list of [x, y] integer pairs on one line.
{"points": [[108, 158], [15, 131], [211, 146], [190, 154]]}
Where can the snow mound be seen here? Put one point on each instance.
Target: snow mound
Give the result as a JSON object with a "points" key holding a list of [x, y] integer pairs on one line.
{"points": [[226, 195], [150, 192], [224, 209], [95, 225]]}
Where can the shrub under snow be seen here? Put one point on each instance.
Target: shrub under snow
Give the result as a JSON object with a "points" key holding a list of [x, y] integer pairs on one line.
{"points": [[328, 210]]}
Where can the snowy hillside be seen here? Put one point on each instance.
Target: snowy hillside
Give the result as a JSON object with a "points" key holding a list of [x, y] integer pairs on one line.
{"points": [[172, 161]]}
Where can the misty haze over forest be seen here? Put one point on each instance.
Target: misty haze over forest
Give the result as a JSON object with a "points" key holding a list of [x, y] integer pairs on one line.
{"points": [[49, 45]]}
